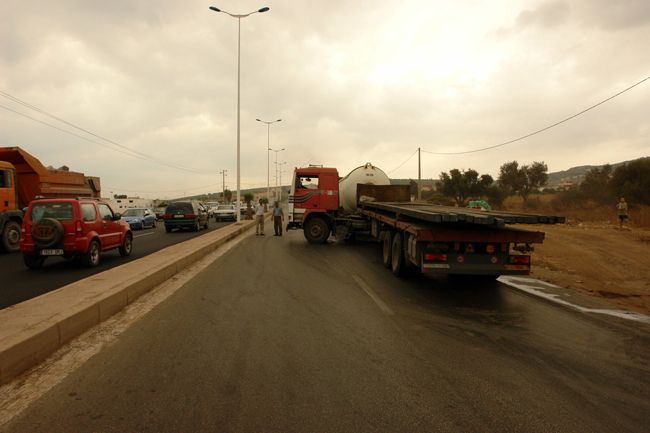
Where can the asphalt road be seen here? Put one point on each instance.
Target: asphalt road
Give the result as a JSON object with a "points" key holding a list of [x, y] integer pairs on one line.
{"points": [[279, 335], [18, 283]]}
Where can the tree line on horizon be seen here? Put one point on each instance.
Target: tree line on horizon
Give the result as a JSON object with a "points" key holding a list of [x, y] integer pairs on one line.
{"points": [[601, 185]]}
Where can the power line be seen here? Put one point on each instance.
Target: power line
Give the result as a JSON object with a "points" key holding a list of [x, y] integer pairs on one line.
{"points": [[407, 159], [138, 154], [541, 130]]}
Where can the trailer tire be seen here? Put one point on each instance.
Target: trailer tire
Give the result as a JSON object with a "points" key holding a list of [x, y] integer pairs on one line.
{"points": [[11, 237], [398, 261], [387, 250], [316, 231]]}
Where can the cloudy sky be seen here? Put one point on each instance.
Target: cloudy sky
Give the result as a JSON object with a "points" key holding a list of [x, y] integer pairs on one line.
{"points": [[353, 82]]}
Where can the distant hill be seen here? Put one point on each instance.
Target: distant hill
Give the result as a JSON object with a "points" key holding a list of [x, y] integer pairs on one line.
{"points": [[577, 174]]}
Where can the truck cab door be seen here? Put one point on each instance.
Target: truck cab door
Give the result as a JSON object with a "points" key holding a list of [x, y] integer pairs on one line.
{"points": [[307, 195], [7, 189]]}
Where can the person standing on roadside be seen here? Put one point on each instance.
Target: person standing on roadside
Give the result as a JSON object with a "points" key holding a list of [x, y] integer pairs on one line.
{"points": [[278, 218], [259, 217], [622, 214]]}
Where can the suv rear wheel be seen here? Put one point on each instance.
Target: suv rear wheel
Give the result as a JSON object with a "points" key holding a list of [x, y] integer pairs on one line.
{"points": [[91, 257]]}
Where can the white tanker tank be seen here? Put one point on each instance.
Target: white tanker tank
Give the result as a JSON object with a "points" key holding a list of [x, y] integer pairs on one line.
{"points": [[366, 174]]}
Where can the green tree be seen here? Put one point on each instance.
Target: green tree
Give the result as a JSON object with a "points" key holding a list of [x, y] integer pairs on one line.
{"points": [[522, 180], [460, 185], [248, 197], [228, 194], [632, 181], [595, 186]]}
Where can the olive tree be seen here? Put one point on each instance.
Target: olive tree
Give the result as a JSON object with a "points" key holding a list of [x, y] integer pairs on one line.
{"points": [[522, 180], [460, 185]]}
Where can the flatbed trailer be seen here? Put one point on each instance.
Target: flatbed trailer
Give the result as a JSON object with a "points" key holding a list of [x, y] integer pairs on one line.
{"points": [[416, 237], [445, 240]]}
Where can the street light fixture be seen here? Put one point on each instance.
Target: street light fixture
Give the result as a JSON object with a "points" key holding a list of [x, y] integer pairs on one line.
{"points": [[239, 17], [268, 162]]}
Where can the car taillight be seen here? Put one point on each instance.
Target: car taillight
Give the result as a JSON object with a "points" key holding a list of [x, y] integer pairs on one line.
{"points": [[23, 231], [435, 257], [79, 230], [167, 216], [189, 215], [519, 259]]}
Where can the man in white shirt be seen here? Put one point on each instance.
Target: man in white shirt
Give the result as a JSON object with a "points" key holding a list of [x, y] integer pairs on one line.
{"points": [[259, 217]]}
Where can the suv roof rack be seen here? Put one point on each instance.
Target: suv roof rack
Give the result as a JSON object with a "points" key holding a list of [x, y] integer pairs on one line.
{"points": [[87, 198]]}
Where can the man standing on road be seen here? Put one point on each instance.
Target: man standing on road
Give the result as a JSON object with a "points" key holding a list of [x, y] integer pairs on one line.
{"points": [[622, 214], [259, 216], [278, 218]]}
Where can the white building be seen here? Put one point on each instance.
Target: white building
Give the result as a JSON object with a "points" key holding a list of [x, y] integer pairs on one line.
{"points": [[119, 204]]}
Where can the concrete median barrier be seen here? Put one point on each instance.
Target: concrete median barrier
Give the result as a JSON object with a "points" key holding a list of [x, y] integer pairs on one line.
{"points": [[34, 329]]}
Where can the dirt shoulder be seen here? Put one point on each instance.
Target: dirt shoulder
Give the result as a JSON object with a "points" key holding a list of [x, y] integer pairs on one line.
{"points": [[597, 260]]}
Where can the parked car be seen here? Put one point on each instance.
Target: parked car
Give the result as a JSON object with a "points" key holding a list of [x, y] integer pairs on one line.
{"points": [[186, 214], [225, 212], [209, 209], [160, 212], [140, 218], [81, 227]]}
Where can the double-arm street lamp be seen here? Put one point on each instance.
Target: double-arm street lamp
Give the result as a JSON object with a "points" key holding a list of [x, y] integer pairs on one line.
{"points": [[268, 162], [239, 17]]}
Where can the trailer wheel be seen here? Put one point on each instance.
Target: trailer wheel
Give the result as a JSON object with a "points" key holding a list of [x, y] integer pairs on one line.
{"points": [[316, 231], [397, 256], [11, 237], [388, 247]]}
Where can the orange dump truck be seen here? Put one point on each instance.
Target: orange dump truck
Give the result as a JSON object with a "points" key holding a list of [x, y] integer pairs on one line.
{"points": [[22, 179]]}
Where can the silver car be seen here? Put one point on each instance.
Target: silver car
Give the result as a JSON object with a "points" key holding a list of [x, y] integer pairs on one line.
{"points": [[225, 212]]}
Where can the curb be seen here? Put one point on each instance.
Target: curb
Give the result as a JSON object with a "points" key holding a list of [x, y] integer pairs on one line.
{"points": [[33, 330]]}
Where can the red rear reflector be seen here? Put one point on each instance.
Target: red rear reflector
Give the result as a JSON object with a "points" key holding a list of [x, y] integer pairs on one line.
{"points": [[435, 257], [519, 259], [79, 229]]}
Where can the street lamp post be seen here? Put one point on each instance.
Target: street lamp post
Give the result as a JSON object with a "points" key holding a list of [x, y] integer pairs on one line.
{"points": [[239, 17], [268, 162], [281, 171], [278, 173], [276, 168], [223, 185]]}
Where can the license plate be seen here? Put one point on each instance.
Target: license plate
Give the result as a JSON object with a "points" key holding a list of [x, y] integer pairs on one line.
{"points": [[179, 216], [57, 252]]}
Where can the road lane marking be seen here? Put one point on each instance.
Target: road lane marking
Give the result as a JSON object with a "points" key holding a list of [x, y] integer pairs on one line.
{"points": [[385, 308], [526, 285], [143, 234]]}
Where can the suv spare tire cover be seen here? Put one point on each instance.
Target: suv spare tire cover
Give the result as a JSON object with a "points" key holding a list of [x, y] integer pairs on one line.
{"points": [[47, 232]]}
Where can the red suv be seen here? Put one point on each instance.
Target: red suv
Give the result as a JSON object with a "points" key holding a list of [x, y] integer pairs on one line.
{"points": [[81, 227]]}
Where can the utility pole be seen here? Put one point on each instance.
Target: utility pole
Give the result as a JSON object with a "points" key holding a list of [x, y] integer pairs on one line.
{"points": [[419, 177], [223, 184]]}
